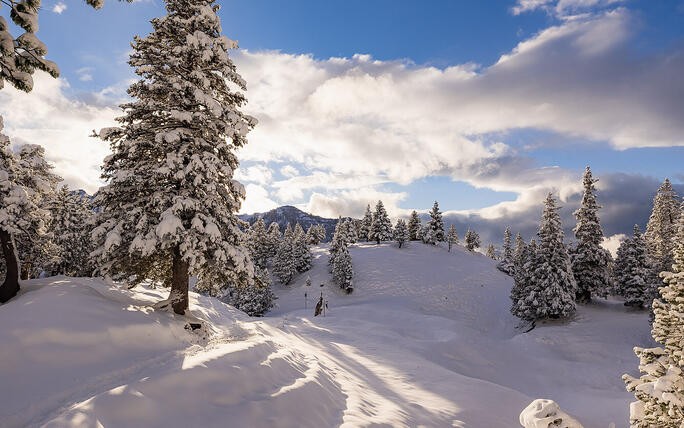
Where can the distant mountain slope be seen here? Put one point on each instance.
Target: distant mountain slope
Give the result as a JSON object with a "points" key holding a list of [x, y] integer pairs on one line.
{"points": [[289, 214]]}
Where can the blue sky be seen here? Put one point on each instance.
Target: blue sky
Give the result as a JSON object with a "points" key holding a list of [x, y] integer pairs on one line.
{"points": [[484, 106]]}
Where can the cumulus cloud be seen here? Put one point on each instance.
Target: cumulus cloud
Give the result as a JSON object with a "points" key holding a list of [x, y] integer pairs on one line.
{"points": [[59, 7], [613, 242], [257, 200]]}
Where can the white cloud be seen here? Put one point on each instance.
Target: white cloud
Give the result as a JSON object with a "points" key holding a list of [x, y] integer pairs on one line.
{"points": [[59, 7], [259, 174], [562, 8], [289, 171], [613, 242], [257, 200]]}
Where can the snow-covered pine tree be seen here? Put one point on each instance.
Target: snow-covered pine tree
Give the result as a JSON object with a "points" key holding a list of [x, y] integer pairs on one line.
{"points": [[491, 252], [506, 264], [170, 197], [660, 390], [366, 224], [401, 233], [590, 261], [255, 299], [259, 244], [320, 233], [414, 227], [71, 223], [343, 271], [525, 262], [452, 237], [312, 235], [338, 241], [301, 251], [472, 240], [274, 237], [633, 271], [434, 229], [553, 295], [662, 228], [284, 264], [350, 234], [381, 227]]}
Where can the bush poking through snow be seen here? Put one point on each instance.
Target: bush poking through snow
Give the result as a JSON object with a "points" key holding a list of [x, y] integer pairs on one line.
{"points": [[546, 414]]}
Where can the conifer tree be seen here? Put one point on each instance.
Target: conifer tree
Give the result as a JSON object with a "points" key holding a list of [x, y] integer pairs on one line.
{"points": [[553, 294], [401, 233], [366, 224], [525, 259], [343, 271], [434, 229], [338, 241], [472, 240], [256, 299], [660, 389], [259, 244], [491, 252], [506, 265], [170, 198], [284, 264], [452, 237], [662, 228], [312, 235], [72, 216], [590, 261], [350, 234], [301, 251], [414, 227], [633, 271], [320, 233], [381, 227], [274, 237]]}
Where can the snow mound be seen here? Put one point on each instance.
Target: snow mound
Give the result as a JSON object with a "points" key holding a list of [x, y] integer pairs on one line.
{"points": [[546, 414]]}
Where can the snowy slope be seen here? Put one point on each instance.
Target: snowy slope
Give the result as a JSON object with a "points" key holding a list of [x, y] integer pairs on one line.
{"points": [[425, 339]]}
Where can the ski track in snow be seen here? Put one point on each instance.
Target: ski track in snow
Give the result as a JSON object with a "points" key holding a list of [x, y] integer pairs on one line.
{"points": [[425, 339]]}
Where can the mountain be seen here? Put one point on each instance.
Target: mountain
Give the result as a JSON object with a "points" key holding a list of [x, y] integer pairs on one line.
{"points": [[289, 214]]}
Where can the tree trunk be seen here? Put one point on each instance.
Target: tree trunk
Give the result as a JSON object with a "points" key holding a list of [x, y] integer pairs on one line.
{"points": [[10, 287], [179, 283]]}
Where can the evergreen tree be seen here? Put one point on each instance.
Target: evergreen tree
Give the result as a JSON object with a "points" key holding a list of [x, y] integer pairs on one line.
{"points": [[553, 295], [338, 241], [343, 271], [301, 251], [256, 299], [180, 212], [452, 237], [320, 233], [633, 271], [401, 233], [434, 230], [660, 390], [72, 217], [351, 236], [472, 240], [414, 227], [506, 265], [491, 252], [590, 261], [366, 224], [259, 244], [525, 263], [274, 237], [312, 235], [285, 265], [381, 227], [662, 228]]}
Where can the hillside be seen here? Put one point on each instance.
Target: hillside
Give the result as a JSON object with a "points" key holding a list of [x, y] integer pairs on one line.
{"points": [[425, 339], [289, 214]]}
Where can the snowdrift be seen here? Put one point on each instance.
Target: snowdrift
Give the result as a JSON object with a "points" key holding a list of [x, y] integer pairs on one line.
{"points": [[425, 339]]}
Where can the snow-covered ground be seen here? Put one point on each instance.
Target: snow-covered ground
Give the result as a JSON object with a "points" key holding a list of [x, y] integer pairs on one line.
{"points": [[425, 339]]}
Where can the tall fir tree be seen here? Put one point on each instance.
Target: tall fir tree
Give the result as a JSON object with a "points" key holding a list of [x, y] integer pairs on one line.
{"points": [[274, 237], [633, 271], [662, 228], [259, 244], [590, 261], [320, 233], [366, 224], [284, 264], [434, 229], [171, 199], [525, 262], [72, 217], [553, 294], [414, 226], [401, 233], [472, 240], [660, 389], [381, 227], [452, 237], [506, 265], [301, 251], [343, 270]]}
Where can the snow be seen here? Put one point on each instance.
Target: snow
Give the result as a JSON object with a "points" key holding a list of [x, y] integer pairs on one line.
{"points": [[425, 339], [546, 413]]}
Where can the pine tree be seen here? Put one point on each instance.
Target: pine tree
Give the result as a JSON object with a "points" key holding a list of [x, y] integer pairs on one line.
{"points": [[633, 271], [285, 265], [472, 240], [491, 252], [343, 271], [662, 228], [301, 251], [366, 224], [452, 237], [553, 295], [660, 390], [312, 235], [590, 261], [435, 227], [401, 233], [506, 265], [256, 299], [320, 233], [338, 241], [351, 236], [180, 212], [381, 227], [274, 237], [259, 244], [525, 263], [414, 227], [72, 217]]}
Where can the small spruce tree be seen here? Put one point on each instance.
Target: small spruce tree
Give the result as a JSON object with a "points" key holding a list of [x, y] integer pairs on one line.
{"points": [[472, 240], [366, 224], [452, 237], [381, 227], [401, 234], [491, 252], [434, 229], [506, 265], [414, 227]]}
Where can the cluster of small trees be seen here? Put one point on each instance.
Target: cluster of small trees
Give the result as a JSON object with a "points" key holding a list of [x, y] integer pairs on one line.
{"points": [[339, 259], [292, 255], [551, 277]]}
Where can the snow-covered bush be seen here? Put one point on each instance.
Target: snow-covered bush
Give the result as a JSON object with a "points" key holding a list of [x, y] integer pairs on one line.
{"points": [[256, 299], [546, 414]]}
